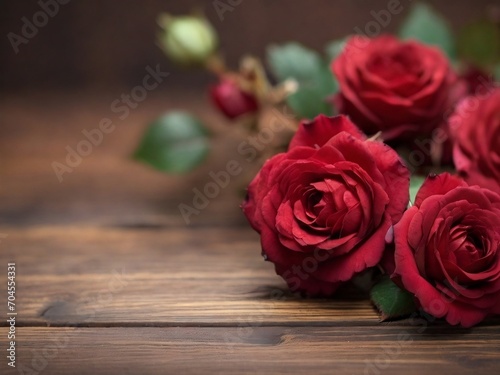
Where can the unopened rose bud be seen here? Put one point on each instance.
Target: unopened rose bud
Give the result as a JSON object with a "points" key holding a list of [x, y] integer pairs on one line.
{"points": [[188, 40], [231, 100]]}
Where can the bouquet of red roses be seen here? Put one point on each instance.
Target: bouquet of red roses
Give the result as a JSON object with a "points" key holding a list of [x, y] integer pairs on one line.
{"points": [[395, 173]]}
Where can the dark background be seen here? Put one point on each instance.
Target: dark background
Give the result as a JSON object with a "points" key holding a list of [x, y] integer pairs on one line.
{"points": [[107, 43]]}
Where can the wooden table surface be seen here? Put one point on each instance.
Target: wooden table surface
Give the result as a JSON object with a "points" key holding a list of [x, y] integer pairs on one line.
{"points": [[110, 279]]}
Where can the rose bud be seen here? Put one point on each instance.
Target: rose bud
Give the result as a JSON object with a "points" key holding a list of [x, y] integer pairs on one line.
{"points": [[323, 208], [231, 100], [475, 130], [447, 250], [401, 88], [187, 40]]}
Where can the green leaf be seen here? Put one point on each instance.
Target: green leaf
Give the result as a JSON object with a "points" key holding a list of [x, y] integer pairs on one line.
{"points": [[424, 24], [292, 60], [312, 73], [391, 301], [309, 102], [479, 43], [415, 184], [176, 142]]}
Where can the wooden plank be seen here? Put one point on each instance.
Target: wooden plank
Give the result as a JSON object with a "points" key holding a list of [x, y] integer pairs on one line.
{"points": [[244, 350], [106, 276], [107, 187], [163, 277]]}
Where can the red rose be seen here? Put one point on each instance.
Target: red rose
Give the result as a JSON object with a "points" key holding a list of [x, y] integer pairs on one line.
{"points": [[231, 100], [475, 128], [448, 250], [324, 207], [400, 88]]}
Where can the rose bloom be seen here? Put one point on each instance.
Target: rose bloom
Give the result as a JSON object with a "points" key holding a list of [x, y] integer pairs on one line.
{"points": [[324, 207], [400, 88], [447, 250], [475, 129]]}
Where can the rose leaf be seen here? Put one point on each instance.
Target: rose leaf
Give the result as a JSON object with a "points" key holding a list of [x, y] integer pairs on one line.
{"points": [[176, 143], [315, 81], [415, 184], [293, 60], [308, 102], [424, 24], [391, 301]]}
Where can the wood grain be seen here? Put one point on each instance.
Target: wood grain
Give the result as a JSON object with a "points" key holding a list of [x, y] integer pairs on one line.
{"points": [[245, 350], [108, 276]]}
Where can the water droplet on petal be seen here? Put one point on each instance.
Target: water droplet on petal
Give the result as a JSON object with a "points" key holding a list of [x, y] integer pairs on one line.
{"points": [[389, 237]]}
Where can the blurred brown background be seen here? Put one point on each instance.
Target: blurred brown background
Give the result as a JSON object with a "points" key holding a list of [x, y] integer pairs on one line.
{"points": [[104, 42]]}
